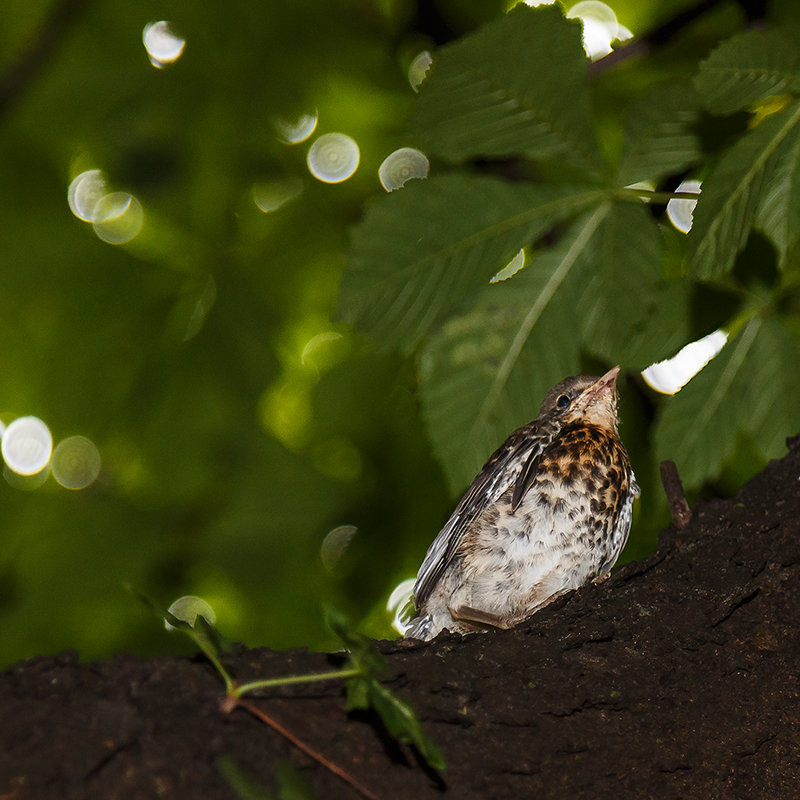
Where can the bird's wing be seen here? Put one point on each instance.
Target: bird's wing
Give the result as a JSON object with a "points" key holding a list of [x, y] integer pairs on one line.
{"points": [[525, 478], [517, 454], [622, 524]]}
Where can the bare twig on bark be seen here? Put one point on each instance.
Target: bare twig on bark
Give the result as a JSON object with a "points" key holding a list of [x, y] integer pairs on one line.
{"points": [[301, 745], [673, 488]]}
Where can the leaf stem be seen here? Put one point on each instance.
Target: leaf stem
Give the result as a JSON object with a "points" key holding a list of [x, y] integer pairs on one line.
{"points": [[267, 683], [211, 655]]}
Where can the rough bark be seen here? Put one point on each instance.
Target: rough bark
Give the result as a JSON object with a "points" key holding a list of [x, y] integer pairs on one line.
{"points": [[678, 677]]}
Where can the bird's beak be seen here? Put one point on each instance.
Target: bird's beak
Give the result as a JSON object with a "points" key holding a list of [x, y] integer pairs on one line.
{"points": [[603, 389]]}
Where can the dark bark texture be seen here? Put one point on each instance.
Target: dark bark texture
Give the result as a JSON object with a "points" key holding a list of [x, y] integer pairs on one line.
{"points": [[677, 677]]}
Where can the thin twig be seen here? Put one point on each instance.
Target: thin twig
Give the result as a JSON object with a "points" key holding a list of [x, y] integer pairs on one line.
{"points": [[673, 488], [301, 745]]}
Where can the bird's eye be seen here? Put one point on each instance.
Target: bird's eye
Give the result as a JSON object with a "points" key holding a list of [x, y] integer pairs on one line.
{"points": [[563, 401]]}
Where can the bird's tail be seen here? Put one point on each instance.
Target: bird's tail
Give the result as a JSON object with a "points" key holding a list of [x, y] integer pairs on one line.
{"points": [[419, 628]]}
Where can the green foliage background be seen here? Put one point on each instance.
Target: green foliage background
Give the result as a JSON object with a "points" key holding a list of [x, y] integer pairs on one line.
{"points": [[254, 381]]}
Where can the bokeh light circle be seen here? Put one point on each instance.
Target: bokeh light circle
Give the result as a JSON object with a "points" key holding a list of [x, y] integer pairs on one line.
{"points": [[671, 375], [418, 69], [296, 130], [333, 157], [85, 192], [335, 545], [681, 211], [188, 608], [163, 46], [76, 462], [27, 445], [398, 604], [512, 268], [271, 195], [118, 218], [401, 166], [600, 27]]}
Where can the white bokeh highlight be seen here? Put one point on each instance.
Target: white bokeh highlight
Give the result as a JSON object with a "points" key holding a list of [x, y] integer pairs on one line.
{"points": [[188, 608], [117, 217], [27, 445], [85, 191], [163, 46], [512, 268], [600, 27], [680, 211], [295, 131], [418, 69], [671, 375], [76, 462], [333, 158], [404, 164], [398, 603]]}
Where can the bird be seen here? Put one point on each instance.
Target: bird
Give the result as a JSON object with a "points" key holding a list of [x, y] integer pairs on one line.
{"points": [[550, 510]]}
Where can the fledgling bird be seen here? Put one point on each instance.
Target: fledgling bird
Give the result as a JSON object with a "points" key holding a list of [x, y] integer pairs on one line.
{"points": [[548, 512]]}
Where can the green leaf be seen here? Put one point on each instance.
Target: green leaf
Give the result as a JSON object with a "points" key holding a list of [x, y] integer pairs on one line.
{"points": [[364, 691], [420, 250], [209, 638], [363, 654], [697, 429], [403, 724], [733, 192], [664, 330], [486, 371], [771, 411], [171, 619], [515, 87], [778, 214], [751, 386], [357, 692], [659, 134], [748, 68], [619, 288]]}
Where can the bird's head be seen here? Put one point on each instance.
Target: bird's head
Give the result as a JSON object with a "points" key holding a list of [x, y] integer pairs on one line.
{"points": [[584, 399]]}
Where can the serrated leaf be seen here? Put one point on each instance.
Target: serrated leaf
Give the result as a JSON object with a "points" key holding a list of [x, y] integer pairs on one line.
{"points": [[659, 135], [697, 429], [620, 263], [746, 69], [733, 192], [486, 371], [419, 251], [664, 330], [403, 724], [515, 87], [751, 386], [778, 214], [771, 411]]}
